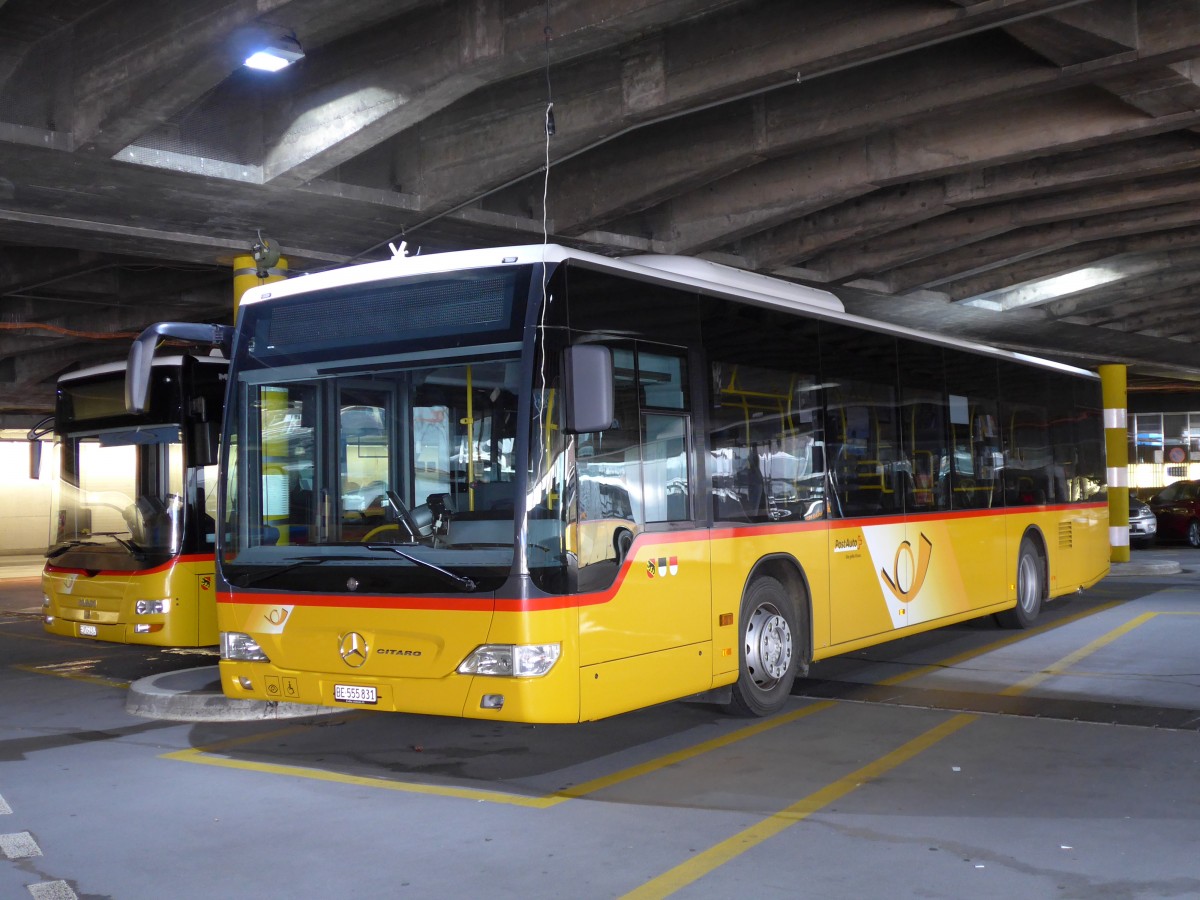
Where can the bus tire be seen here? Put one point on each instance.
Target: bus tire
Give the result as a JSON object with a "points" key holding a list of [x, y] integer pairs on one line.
{"points": [[1031, 587], [622, 543], [769, 655]]}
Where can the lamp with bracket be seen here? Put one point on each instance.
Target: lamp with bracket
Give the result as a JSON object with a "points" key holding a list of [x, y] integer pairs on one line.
{"points": [[275, 54]]}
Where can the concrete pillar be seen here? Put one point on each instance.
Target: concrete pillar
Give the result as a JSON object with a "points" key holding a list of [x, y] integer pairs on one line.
{"points": [[1116, 445], [245, 276]]}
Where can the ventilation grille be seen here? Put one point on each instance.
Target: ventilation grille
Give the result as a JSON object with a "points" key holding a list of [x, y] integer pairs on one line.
{"points": [[1066, 535]]}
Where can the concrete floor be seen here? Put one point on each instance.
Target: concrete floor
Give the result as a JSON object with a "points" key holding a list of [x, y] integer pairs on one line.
{"points": [[969, 762]]}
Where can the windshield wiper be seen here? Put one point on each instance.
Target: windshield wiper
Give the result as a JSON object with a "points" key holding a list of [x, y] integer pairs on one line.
{"points": [[127, 543], [307, 561], [133, 549], [69, 545], [467, 584]]}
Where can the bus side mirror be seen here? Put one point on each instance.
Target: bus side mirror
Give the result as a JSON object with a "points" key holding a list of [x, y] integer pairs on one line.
{"points": [[141, 354], [587, 388], [36, 433], [205, 437]]}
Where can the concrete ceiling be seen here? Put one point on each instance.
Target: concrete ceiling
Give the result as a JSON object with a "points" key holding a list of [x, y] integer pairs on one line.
{"points": [[1017, 171]]}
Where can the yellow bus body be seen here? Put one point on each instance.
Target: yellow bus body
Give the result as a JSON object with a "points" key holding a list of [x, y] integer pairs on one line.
{"points": [[102, 605], [668, 627]]}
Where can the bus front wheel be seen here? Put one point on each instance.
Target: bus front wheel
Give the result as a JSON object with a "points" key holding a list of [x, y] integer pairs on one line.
{"points": [[769, 652], [1031, 587]]}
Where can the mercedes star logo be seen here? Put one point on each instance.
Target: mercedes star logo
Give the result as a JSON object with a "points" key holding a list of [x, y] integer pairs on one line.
{"points": [[353, 649]]}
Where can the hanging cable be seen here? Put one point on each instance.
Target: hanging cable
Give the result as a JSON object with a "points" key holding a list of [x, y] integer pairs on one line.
{"points": [[543, 445], [69, 332]]}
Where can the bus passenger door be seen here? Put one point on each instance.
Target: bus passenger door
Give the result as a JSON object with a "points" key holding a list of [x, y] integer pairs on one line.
{"points": [[639, 556]]}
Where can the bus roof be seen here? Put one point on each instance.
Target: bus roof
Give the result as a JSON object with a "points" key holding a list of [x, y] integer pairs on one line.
{"points": [[704, 276]]}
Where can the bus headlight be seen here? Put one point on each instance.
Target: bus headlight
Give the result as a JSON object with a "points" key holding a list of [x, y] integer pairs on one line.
{"points": [[513, 660], [235, 645], [152, 607]]}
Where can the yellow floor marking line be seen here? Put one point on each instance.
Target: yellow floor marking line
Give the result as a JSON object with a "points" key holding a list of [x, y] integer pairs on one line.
{"points": [[33, 637], [73, 676], [686, 873], [1071, 659], [198, 756], [996, 645], [204, 756], [696, 868], [662, 762]]}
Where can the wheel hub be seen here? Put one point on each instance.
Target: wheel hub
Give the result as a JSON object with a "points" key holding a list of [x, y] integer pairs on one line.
{"points": [[768, 646]]}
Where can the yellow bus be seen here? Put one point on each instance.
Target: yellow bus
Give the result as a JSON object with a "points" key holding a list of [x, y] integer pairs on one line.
{"points": [[132, 543], [540, 485]]}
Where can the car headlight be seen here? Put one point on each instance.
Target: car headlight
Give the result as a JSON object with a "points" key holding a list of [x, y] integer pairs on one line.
{"points": [[238, 646], [512, 660]]}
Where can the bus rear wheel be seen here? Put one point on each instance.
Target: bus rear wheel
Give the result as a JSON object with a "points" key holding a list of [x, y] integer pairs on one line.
{"points": [[769, 653], [1031, 587]]}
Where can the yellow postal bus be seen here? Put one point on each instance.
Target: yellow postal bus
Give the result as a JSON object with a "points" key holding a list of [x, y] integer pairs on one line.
{"points": [[131, 555], [599, 484]]}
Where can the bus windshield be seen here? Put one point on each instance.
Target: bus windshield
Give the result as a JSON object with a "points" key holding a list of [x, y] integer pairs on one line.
{"points": [[341, 478], [102, 505]]}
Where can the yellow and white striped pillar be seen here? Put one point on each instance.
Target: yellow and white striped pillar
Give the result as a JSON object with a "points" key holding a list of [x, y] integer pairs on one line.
{"points": [[245, 276], [1116, 445]]}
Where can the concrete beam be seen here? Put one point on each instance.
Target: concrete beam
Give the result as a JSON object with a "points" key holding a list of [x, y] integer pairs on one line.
{"points": [[891, 209], [778, 190], [952, 230], [377, 85], [1067, 259], [1027, 242], [140, 62], [615, 181], [679, 70], [1142, 312], [1180, 270]]}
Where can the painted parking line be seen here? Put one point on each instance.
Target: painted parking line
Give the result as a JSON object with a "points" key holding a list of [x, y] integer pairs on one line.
{"points": [[210, 754], [694, 869], [52, 890], [5, 809], [70, 671], [206, 756], [998, 644], [716, 856], [19, 845], [1060, 667]]}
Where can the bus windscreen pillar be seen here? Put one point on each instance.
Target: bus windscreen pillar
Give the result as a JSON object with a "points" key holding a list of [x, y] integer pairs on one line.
{"points": [[1116, 446]]}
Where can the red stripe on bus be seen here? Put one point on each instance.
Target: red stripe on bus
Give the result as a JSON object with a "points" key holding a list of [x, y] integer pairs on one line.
{"points": [[569, 601], [170, 563]]}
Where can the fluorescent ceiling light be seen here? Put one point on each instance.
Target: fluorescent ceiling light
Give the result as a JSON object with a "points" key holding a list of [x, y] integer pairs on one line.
{"points": [[1045, 290], [279, 54]]}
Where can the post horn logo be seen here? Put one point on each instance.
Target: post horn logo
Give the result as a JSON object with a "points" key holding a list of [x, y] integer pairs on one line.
{"points": [[353, 649], [902, 586]]}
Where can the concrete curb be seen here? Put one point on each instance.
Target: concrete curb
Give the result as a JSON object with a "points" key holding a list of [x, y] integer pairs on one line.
{"points": [[194, 695], [1159, 567]]}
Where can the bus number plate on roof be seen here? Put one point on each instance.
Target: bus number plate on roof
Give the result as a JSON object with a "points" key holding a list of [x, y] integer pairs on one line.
{"points": [[354, 693]]}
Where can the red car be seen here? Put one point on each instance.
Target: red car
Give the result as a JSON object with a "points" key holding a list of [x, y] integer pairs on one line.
{"points": [[1177, 508]]}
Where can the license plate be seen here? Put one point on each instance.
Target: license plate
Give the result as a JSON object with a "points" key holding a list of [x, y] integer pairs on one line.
{"points": [[87, 631], [354, 693]]}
